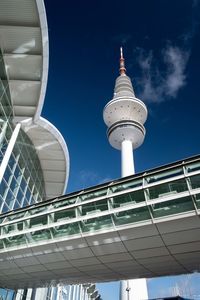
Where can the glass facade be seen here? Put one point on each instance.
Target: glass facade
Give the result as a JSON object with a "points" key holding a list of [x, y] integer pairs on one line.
{"points": [[22, 183], [70, 292], [170, 190]]}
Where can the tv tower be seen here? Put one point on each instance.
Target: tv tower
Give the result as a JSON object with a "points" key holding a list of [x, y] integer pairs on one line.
{"points": [[125, 115]]}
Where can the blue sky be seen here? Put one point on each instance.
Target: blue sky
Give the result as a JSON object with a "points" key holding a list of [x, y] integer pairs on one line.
{"points": [[161, 41]]}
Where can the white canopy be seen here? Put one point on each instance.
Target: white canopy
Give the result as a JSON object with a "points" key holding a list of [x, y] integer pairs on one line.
{"points": [[24, 41]]}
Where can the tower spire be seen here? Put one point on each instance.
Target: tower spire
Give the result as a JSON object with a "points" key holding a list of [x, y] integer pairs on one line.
{"points": [[122, 69]]}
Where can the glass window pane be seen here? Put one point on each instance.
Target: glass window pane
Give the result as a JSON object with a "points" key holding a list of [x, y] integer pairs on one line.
{"points": [[128, 185], [130, 198], [38, 221], [197, 200], [195, 181], [64, 215], [37, 210], [64, 202], [13, 228], [193, 167], [16, 216], [94, 207], [93, 195], [15, 240], [167, 189], [65, 230], [3, 187], [1, 244], [132, 216], [162, 175], [96, 223], [38, 235], [172, 207]]}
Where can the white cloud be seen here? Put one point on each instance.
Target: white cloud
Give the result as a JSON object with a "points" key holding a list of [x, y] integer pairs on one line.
{"points": [[163, 77], [89, 177], [163, 73], [176, 60]]}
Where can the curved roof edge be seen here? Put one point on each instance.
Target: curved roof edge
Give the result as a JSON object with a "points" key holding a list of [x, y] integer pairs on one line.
{"points": [[52, 152], [54, 131], [45, 55]]}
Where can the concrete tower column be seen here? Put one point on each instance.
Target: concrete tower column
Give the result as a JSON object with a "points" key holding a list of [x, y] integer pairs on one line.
{"points": [[127, 162], [125, 115]]}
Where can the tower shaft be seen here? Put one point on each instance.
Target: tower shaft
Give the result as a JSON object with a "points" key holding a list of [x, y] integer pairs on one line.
{"points": [[127, 161]]}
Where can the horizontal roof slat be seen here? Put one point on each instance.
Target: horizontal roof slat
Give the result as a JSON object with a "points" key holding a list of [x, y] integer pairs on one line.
{"points": [[24, 40], [24, 13], [23, 67]]}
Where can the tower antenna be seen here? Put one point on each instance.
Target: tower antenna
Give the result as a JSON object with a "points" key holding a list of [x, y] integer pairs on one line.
{"points": [[122, 69]]}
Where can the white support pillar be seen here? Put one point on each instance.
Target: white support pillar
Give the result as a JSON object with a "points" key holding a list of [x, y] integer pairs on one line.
{"points": [[9, 150], [134, 289], [127, 163]]}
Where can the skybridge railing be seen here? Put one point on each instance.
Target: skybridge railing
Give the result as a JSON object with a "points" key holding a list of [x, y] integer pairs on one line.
{"points": [[171, 190]]}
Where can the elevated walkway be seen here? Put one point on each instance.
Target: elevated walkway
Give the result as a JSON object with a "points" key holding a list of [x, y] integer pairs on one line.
{"points": [[144, 225]]}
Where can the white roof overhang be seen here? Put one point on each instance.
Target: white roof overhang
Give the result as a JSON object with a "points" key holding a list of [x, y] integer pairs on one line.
{"points": [[25, 46], [24, 42], [52, 152]]}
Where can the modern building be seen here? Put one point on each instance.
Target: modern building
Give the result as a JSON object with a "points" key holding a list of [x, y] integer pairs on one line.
{"points": [[142, 225], [34, 160]]}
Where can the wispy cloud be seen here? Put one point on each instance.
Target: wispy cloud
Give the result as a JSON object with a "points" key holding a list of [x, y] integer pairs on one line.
{"points": [[89, 177], [164, 73], [176, 60], [161, 81]]}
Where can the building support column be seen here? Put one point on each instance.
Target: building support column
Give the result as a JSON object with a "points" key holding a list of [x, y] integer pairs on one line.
{"points": [[9, 150]]}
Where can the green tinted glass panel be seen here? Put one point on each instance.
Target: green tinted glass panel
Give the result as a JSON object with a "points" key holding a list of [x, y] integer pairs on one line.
{"points": [[197, 200], [94, 207], [65, 230], [93, 195], [172, 207], [125, 186], [130, 198], [15, 240], [39, 235], [38, 221], [1, 244], [167, 189], [16, 216], [15, 227], [131, 216], [96, 224], [163, 175], [64, 215], [195, 181], [193, 167], [37, 210], [64, 202]]}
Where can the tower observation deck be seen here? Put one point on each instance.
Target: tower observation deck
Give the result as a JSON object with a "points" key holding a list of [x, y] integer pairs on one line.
{"points": [[125, 115]]}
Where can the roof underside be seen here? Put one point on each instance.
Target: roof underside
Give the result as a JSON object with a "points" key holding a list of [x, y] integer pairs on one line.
{"points": [[24, 41], [53, 155], [141, 226], [152, 250]]}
